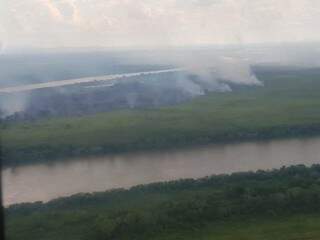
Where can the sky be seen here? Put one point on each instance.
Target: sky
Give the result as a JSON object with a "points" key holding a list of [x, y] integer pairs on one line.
{"points": [[155, 23]]}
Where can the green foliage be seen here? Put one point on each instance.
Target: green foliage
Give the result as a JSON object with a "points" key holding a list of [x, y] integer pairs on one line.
{"points": [[287, 106], [180, 209]]}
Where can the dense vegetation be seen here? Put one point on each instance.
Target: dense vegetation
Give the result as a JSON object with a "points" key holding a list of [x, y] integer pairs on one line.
{"points": [[288, 105], [277, 204]]}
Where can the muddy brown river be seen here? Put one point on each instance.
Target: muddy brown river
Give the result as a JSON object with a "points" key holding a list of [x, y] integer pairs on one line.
{"points": [[44, 182]]}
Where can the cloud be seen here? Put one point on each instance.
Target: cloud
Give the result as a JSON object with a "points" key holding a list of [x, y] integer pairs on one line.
{"points": [[109, 23]]}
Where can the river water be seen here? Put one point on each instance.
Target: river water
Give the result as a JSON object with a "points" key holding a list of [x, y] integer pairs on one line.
{"points": [[61, 83], [44, 182]]}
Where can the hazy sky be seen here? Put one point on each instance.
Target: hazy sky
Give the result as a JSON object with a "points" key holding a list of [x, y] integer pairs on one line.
{"points": [[116, 23]]}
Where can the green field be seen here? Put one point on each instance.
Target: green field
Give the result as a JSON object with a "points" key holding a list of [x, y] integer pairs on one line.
{"points": [[280, 204], [302, 227], [287, 106], [290, 228]]}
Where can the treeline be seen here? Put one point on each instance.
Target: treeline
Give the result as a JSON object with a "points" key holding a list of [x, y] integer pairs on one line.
{"points": [[54, 152], [146, 212]]}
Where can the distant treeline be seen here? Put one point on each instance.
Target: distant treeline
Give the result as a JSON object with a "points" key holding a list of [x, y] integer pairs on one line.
{"points": [[158, 210], [51, 152]]}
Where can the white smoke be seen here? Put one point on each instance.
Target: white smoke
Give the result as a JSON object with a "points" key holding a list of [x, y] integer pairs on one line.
{"points": [[201, 73], [205, 69], [236, 71], [13, 103]]}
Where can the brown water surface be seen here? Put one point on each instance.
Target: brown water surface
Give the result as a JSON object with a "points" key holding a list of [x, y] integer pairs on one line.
{"points": [[44, 182]]}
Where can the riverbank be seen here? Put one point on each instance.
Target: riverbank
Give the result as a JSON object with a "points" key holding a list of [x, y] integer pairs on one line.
{"points": [[102, 173], [282, 204], [286, 106]]}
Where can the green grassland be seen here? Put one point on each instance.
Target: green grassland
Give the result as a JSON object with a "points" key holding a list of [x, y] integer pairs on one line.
{"points": [[281, 204], [287, 106], [302, 227]]}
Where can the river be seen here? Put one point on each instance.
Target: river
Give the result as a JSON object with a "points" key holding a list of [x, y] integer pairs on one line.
{"points": [[61, 83], [44, 182]]}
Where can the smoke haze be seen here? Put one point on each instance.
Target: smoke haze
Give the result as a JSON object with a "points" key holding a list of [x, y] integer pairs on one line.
{"points": [[217, 42], [205, 69]]}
